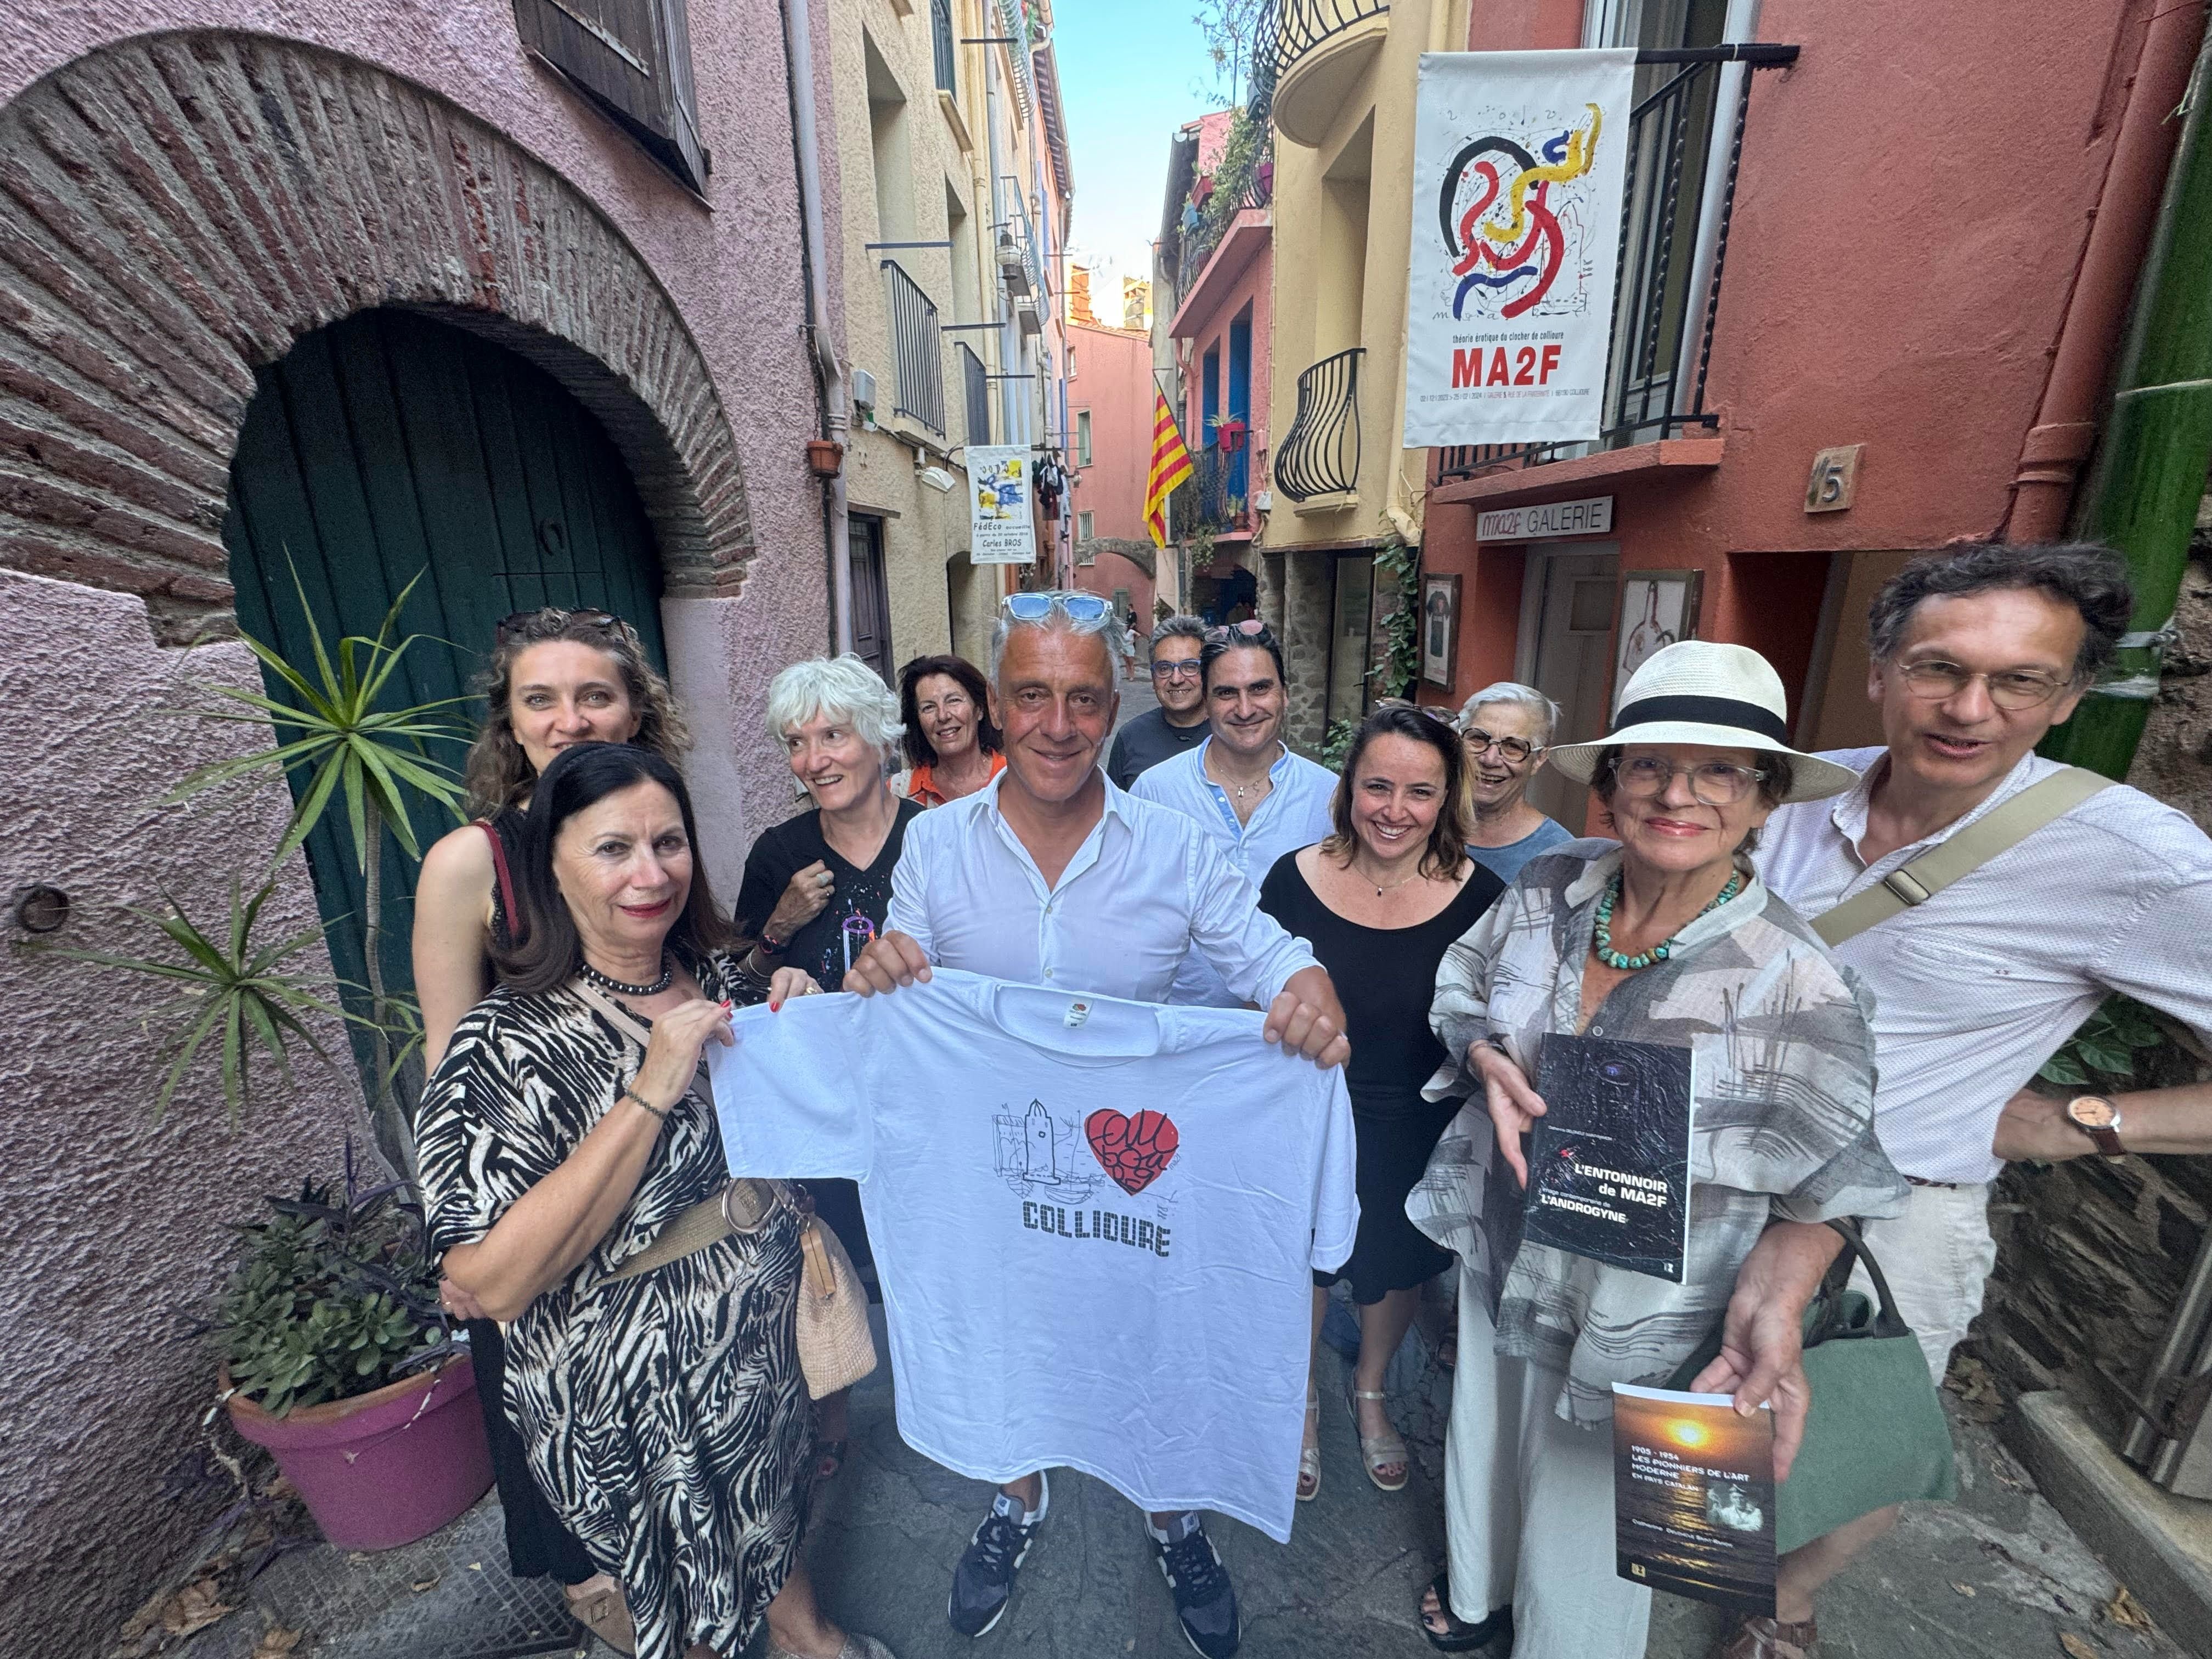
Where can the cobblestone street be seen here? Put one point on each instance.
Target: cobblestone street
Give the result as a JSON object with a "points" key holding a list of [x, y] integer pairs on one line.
{"points": [[1998, 1574]]}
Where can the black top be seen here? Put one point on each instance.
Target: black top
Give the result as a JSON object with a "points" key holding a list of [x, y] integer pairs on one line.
{"points": [[1385, 977], [1146, 741], [819, 946]]}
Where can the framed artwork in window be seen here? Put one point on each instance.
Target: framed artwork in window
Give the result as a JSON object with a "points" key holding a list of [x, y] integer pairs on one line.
{"points": [[1657, 608], [1439, 637]]}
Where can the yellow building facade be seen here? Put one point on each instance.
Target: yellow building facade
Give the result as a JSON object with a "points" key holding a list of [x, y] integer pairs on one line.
{"points": [[954, 191]]}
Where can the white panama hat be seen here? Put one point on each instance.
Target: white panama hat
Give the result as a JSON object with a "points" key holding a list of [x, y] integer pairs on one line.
{"points": [[1722, 697]]}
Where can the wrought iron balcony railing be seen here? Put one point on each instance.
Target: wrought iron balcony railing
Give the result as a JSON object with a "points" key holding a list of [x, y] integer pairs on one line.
{"points": [[917, 351], [941, 42], [1196, 245], [1320, 454], [1222, 500], [1664, 305], [1297, 27], [977, 386], [1017, 241]]}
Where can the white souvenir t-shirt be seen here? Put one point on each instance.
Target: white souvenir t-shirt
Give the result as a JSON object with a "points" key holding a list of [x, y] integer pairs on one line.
{"points": [[1094, 1220]]}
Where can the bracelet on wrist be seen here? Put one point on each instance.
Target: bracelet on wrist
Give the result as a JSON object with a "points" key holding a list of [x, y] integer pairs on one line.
{"points": [[630, 1093], [768, 943]]}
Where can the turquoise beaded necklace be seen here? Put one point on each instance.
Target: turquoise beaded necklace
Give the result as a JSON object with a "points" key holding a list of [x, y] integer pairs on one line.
{"points": [[1603, 942]]}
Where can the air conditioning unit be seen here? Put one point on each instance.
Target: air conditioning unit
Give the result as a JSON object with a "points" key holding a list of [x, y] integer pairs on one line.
{"points": [[864, 389]]}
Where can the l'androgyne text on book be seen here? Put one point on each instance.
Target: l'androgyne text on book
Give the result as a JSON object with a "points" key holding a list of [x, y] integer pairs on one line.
{"points": [[1609, 1163]]}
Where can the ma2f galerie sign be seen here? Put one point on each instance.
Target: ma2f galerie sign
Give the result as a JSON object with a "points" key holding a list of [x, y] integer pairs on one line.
{"points": [[1519, 159]]}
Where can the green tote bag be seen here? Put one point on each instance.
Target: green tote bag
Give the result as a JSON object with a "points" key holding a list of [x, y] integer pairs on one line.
{"points": [[1876, 1434]]}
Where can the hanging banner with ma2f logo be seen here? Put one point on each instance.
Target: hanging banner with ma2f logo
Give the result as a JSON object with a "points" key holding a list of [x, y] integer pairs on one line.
{"points": [[1000, 480], [1519, 159]]}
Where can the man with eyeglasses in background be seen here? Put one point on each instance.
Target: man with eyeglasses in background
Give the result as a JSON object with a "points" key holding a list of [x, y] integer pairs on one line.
{"points": [[1505, 729], [1976, 653], [1052, 875], [1179, 723]]}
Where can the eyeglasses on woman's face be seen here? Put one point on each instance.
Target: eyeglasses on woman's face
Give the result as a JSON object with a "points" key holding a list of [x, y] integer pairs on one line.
{"points": [[2011, 689], [1516, 750], [1712, 783]]}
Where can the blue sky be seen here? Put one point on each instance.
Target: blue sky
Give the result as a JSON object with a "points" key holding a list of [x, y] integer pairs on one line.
{"points": [[1130, 72]]}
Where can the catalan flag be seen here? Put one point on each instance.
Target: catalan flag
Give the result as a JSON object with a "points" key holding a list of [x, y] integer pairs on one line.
{"points": [[1171, 466]]}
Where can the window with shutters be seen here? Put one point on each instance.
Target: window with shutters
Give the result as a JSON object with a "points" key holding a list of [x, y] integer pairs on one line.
{"points": [[632, 58]]}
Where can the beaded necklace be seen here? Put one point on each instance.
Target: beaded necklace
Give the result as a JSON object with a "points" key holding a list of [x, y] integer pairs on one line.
{"points": [[607, 982], [1602, 943]]}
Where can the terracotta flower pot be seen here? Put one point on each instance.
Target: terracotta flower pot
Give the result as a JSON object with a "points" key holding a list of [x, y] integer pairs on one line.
{"points": [[385, 1468]]}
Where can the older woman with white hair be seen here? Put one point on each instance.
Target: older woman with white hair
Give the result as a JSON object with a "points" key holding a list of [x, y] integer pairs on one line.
{"points": [[1506, 728], [817, 886]]}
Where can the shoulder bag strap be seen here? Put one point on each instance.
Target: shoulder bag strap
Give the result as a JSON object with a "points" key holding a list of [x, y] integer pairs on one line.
{"points": [[517, 924], [1964, 852]]}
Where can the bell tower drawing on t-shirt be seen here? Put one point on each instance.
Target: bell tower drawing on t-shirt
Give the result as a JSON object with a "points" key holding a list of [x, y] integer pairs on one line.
{"points": [[1036, 1150]]}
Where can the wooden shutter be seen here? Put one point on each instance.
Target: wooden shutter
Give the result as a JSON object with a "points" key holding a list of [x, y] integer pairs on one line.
{"points": [[633, 57]]}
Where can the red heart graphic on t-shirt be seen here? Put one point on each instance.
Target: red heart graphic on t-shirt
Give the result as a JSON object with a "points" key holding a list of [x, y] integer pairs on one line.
{"points": [[1132, 1150]]}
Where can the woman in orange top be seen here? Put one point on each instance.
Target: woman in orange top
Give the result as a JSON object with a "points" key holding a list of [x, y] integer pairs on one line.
{"points": [[951, 743]]}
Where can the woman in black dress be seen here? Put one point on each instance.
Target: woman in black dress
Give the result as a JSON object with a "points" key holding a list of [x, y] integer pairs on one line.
{"points": [[818, 885], [1380, 901], [556, 678]]}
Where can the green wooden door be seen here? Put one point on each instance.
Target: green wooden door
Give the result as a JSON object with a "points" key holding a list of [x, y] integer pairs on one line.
{"points": [[388, 445]]}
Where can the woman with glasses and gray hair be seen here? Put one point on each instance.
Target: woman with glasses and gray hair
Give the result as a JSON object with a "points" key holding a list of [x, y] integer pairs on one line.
{"points": [[816, 886], [1666, 936], [1506, 728]]}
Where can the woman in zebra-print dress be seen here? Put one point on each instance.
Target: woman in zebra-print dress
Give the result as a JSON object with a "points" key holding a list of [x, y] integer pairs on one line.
{"points": [[662, 1414]]}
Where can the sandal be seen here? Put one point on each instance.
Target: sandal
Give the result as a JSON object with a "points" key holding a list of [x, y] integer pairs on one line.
{"points": [[829, 1458], [1380, 1451], [602, 1611], [1310, 1457], [1461, 1637]]}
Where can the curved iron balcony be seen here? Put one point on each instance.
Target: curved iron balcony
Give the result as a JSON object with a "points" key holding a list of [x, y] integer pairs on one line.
{"points": [[1296, 31], [1321, 454]]}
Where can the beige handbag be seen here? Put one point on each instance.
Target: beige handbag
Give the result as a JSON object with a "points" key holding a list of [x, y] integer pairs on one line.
{"points": [[835, 1347]]}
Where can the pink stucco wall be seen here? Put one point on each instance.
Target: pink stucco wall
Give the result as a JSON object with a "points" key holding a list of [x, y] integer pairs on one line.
{"points": [[1934, 361], [108, 1224], [1114, 383]]}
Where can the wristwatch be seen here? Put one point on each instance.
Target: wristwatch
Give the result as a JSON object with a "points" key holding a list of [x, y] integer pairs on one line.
{"points": [[2099, 1119]]}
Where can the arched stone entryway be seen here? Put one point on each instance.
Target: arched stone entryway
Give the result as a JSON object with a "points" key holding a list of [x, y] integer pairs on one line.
{"points": [[181, 208]]}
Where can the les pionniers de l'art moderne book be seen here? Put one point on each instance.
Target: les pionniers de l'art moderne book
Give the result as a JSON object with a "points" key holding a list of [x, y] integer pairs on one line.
{"points": [[1609, 1163], [1693, 1495]]}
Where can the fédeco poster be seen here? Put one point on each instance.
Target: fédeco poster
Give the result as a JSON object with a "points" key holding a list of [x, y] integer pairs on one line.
{"points": [[1609, 1163], [1693, 1495], [1001, 529], [1519, 163]]}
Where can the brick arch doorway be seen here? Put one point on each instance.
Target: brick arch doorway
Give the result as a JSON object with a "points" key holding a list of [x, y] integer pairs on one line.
{"points": [[390, 446]]}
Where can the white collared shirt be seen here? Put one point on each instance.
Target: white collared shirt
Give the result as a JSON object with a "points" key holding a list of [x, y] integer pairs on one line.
{"points": [[1145, 889], [1292, 814], [1976, 989]]}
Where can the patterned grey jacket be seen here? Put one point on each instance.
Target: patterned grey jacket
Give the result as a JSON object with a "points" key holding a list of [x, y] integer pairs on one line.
{"points": [[1783, 1126]]}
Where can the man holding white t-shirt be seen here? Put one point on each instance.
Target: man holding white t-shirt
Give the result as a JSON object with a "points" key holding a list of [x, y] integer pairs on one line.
{"points": [[1051, 876]]}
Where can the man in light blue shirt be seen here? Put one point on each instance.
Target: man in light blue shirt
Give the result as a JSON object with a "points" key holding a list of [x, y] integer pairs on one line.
{"points": [[1246, 793]]}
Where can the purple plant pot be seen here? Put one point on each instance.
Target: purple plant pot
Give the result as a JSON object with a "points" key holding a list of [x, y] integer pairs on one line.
{"points": [[385, 1468]]}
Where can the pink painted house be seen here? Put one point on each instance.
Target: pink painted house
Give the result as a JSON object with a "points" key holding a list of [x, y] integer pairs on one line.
{"points": [[1224, 268], [359, 290], [1109, 457]]}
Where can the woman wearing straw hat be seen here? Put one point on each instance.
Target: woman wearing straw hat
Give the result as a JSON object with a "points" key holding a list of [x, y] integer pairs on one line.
{"points": [[1667, 936]]}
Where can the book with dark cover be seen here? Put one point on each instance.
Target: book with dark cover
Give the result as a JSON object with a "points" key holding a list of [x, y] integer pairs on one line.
{"points": [[1609, 1162], [1693, 1497]]}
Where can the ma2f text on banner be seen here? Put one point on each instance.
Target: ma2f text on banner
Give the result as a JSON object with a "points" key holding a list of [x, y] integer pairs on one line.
{"points": [[1519, 161], [1000, 476]]}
